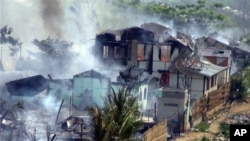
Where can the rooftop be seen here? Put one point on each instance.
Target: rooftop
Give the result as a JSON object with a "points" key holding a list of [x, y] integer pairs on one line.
{"points": [[91, 73], [155, 27], [209, 69], [29, 86], [203, 67]]}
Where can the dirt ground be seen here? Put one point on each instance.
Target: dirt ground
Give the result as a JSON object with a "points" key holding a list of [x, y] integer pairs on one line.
{"points": [[213, 129]]}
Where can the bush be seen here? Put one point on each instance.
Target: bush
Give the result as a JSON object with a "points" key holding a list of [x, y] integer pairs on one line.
{"points": [[204, 138], [202, 127], [224, 129], [238, 90]]}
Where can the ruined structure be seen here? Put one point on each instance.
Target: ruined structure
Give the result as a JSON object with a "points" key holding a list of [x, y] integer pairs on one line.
{"points": [[239, 52]]}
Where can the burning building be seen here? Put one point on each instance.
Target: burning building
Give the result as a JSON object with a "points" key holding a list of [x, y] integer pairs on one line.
{"points": [[239, 52]]}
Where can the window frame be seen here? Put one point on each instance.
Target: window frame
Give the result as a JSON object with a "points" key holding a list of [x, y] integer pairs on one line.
{"points": [[164, 53], [117, 52], [140, 52], [105, 53]]}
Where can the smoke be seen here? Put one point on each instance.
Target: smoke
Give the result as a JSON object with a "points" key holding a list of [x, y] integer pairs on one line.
{"points": [[74, 21], [52, 14]]}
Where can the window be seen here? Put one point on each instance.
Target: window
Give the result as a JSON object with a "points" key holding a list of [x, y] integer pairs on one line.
{"points": [[140, 95], [207, 83], [212, 81], [165, 53], [215, 79], [116, 52], [164, 80], [105, 52], [148, 52], [140, 52], [145, 94]]}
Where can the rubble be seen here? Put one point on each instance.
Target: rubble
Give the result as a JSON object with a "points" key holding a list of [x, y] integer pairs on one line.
{"points": [[243, 118]]}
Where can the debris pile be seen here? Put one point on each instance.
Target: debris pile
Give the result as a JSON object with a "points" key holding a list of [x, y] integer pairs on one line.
{"points": [[243, 118]]}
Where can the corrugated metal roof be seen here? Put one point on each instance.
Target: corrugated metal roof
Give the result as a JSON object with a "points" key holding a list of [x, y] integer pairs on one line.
{"points": [[209, 69], [203, 67]]}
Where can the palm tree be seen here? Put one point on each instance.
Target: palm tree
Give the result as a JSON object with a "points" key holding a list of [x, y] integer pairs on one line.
{"points": [[98, 123], [119, 119]]}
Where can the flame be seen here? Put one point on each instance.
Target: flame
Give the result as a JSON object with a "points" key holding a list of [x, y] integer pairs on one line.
{"points": [[139, 58], [164, 59]]}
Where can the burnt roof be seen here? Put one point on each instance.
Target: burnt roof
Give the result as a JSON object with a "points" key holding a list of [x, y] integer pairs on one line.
{"points": [[171, 38], [234, 46], [213, 39], [29, 86], [155, 27], [185, 38], [126, 34]]}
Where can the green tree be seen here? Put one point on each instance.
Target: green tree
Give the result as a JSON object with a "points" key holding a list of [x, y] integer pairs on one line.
{"points": [[238, 90], [200, 13], [246, 75], [118, 119], [204, 138], [224, 129], [56, 52], [6, 38]]}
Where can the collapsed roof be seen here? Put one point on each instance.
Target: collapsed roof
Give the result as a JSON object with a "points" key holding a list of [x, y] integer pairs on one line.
{"points": [[29, 86]]}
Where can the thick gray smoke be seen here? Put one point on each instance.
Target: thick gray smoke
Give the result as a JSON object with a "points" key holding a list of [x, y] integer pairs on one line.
{"points": [[52, 14]]}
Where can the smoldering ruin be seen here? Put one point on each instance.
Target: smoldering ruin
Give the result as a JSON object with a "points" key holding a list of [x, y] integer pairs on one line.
{"points": [[72, 58]]}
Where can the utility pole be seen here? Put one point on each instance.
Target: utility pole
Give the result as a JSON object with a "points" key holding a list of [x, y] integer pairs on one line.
{"points": [[1, 53]]}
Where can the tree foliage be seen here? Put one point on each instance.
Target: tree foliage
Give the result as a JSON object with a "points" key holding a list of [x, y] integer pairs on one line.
{"points": [[53, 48], [199, 13], [224, 129], [238, 90], [6, 38], [118, 119], [56, 52], [246, 73]]}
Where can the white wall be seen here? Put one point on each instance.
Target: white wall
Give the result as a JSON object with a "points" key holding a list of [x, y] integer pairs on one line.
{"points": [[158, 65], [170, 103], [143, 90], [196, 86]]}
